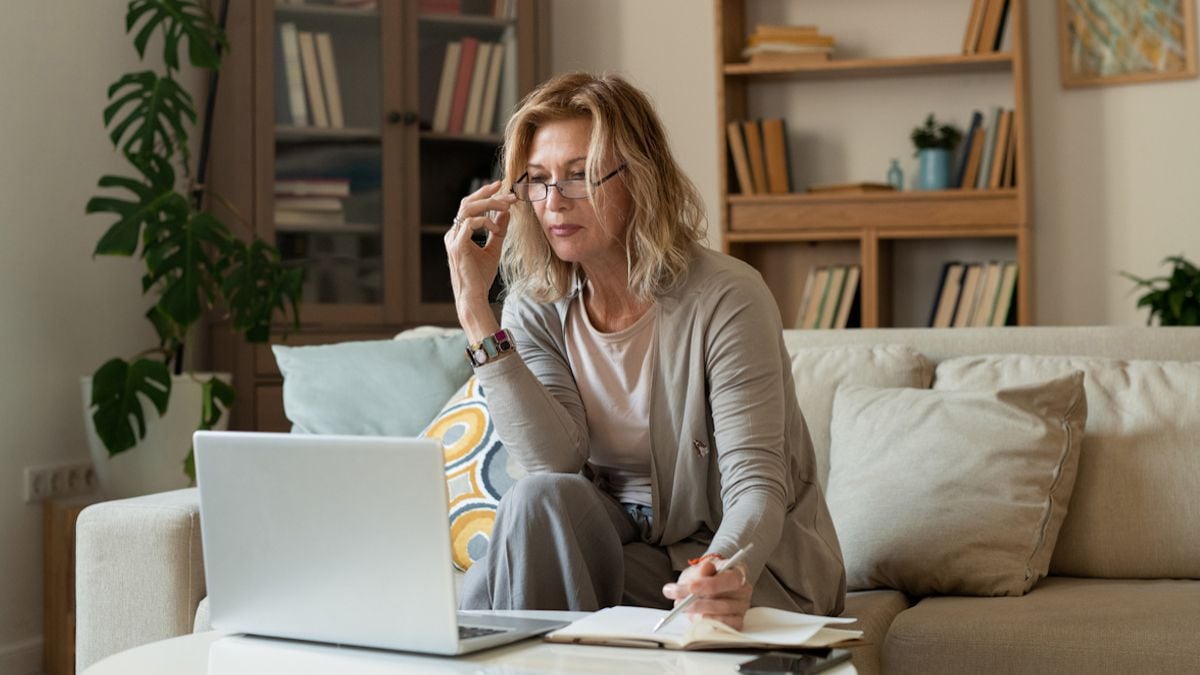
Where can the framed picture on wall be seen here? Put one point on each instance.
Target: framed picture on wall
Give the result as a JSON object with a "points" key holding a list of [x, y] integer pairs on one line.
{"points": [[1123, 41]]}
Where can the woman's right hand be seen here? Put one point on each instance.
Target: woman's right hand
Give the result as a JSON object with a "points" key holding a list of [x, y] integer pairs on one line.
{"points": [[473, 268]]}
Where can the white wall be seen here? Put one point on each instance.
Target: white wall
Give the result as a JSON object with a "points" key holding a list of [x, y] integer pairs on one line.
{"points": [[63, 312], [1115, 168]]}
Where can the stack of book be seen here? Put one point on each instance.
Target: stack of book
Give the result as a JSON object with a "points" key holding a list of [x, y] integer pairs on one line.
{"points": [[774, 44], [989, 155], [365, 5], [975, 294], [468, 87], [830, 298], [759, 151], [307, 79], [985, 27], [500, 9], [310, 204]]}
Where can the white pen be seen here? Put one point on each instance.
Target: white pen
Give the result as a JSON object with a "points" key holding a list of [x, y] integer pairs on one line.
{"points": [[736, 557]]}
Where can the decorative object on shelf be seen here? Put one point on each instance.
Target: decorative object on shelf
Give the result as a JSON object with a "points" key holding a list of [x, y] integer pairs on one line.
{"points": [[192, 259], [787, 45], [895, 175], [1174, 299], [1121, 42], [934, 144]]}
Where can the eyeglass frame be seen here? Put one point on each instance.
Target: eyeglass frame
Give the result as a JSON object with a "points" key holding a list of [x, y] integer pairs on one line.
{"points": [[558, 186]]}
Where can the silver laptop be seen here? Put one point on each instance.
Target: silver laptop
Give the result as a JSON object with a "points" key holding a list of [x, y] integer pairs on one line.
{"points": [[341, 539]]}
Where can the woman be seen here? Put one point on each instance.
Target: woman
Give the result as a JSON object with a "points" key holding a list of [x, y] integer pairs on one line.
{"points": [[639, 377]]}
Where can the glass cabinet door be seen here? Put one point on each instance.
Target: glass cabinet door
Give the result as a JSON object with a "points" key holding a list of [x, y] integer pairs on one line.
{"points": [[328, 176]]}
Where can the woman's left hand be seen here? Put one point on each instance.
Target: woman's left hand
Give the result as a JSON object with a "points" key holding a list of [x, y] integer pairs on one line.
{"points": [[724, 596]]}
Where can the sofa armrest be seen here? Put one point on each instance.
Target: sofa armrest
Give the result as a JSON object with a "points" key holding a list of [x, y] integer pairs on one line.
{"points": [[139, 572]]}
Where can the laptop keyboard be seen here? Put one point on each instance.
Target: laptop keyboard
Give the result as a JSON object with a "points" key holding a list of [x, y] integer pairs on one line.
{"points": [[465, 632]]}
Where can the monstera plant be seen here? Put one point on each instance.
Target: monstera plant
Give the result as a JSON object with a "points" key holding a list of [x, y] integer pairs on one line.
{"points": [[194, 262], [1173, 298]]}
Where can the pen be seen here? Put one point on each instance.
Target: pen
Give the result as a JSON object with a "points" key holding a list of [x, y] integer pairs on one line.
{"points": [[692, 597]]}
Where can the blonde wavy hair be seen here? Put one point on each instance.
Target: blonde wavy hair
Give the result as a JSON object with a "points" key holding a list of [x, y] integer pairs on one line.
{"points": [[666, 213]]}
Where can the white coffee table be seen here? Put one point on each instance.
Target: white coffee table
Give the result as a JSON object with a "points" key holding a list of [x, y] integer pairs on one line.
{"points": [[236, 655]]}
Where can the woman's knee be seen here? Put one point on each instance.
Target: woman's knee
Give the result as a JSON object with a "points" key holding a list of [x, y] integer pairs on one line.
{"points": [[548, 491]]}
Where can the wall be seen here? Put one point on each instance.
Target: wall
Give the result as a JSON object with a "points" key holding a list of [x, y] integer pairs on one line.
{"points": [[1114, 167], [63, 312]]}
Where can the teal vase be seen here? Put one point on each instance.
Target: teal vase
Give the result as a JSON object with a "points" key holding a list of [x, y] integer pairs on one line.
{"points": [[933, 169]]}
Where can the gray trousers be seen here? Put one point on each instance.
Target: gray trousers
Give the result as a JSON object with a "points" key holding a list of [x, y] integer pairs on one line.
{"points": [[560, 542]]}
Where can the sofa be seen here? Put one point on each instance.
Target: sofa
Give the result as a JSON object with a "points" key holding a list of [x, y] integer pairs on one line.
{"points": [[1119, 588]]}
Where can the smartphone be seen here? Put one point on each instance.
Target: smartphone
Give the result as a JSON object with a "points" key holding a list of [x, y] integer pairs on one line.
{"points": [[781, 663]]}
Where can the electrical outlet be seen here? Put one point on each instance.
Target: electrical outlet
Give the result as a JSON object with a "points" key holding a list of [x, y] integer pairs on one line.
{"points": [[59, 480]]}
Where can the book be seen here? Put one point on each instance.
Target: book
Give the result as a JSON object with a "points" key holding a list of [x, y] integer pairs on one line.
{"points": [[1003, 314], [312, 79], [309, 203], [764, 627], [974, 24], [462, 85], [849, 300], [741, 163], [990, 280], [968, 297], [851, 188], [329, 80], [989, 147], [996, 44], [1000, 154], [445, 92], [430, 59], [974, 159], [805, 298], [976, 120], [948, 293], [1010, 155], [832, 296], [290, 46], [754, 151], [313, 187], [991, 25], [301, 218], [491, 91], [819, 285], [475, 95], [774, 134]]}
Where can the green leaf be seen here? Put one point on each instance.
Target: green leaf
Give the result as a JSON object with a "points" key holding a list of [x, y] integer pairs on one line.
{"points": [[256, 284], [154, 108], [169, 334], [216, 398], [116, 387], [154, 200], [1175, 301], [189, 465], [178, 19], [177, 254]]}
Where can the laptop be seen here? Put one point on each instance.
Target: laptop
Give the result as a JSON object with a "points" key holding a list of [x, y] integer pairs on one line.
{"points": [[338, 539]]}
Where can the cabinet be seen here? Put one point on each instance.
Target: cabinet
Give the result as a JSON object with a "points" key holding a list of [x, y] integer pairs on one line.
{"points": [[847, 117], [361, 205]]}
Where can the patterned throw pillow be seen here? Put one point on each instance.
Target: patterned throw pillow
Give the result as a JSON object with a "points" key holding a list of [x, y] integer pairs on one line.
{"points": [[478, 471]]}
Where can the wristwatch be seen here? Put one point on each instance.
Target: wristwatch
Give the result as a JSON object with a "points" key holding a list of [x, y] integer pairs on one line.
{"points": [[489, 348]]}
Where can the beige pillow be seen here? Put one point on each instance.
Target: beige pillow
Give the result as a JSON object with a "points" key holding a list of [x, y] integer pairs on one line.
{"points": [[819, 371], [1135, 511], [953, 492]]}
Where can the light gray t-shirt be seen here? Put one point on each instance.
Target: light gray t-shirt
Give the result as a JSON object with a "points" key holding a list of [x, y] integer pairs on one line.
{"points": [[613, 372]]}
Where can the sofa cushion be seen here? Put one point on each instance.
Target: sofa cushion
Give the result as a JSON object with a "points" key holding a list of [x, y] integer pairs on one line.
{"points": [[953, 492], [818, 371], [1064, 625], [875, 611], [479, 471], [370, 387], [1135, 508]]}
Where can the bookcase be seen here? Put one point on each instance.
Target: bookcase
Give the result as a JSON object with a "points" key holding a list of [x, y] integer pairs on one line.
{"points": [[326, 144], [846, 118]]}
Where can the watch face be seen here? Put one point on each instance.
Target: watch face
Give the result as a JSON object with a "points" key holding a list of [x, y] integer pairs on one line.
{"points": [[481, 356]]}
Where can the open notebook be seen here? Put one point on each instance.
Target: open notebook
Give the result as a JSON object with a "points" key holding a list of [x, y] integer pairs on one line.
{"points": [[764, 627]]}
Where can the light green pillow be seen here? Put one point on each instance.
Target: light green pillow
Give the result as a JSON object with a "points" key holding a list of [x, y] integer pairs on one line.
{"points": [[372, 387]]}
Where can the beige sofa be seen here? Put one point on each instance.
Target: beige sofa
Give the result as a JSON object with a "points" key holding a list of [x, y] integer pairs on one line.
{"points": [[1123, 593]]}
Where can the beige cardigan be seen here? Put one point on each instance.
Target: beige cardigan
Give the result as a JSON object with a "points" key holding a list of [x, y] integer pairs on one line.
{"points": [[731, 458]]}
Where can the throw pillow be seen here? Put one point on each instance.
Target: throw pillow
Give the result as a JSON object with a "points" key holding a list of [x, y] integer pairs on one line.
{"points": [[370, 387], [478, 471], [953, 492]]}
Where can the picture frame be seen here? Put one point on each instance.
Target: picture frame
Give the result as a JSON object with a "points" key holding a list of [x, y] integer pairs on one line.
{"points": [[1103, 42]]}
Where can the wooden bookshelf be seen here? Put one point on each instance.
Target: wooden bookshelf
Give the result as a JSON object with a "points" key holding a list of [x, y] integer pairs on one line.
{"points": [[785, 235], [378, 265]]}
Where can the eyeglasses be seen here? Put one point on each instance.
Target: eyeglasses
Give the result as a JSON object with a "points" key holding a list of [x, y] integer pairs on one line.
{"points": [[570, 189]]}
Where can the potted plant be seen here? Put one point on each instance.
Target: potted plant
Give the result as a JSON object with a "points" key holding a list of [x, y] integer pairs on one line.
{"points": [[193, 261], [1174, 299], [934, 142]]}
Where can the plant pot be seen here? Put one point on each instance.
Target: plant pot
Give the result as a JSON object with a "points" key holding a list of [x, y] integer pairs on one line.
{"points": [[933, 169], [156, 463]]}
